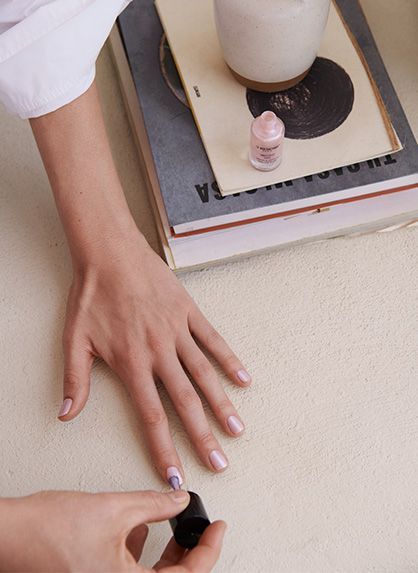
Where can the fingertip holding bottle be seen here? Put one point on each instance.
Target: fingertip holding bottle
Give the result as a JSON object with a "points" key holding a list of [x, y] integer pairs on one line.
{"points": [[266, 145]]}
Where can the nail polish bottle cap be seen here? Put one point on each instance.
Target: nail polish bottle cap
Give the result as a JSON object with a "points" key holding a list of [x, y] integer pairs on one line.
{"points": [[268, 125], [189, 525]]}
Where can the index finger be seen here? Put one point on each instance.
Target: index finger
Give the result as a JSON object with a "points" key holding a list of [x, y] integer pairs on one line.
{"points": [[203, 558]]}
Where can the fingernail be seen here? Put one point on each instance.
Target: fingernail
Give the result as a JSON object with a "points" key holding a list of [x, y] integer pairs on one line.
{"points": [[244, 376], [65, 407], [174, 477], [180, 496], [218, 460], [235, 425]]}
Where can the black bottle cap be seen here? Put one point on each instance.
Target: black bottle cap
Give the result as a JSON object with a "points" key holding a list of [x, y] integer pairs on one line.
{"points": [[189, 525]]}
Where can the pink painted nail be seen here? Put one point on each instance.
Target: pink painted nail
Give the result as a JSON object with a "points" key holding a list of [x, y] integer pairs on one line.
{"points": [[218, 460], [244, 376], [235, 425], [174, 477], [65, 407]]}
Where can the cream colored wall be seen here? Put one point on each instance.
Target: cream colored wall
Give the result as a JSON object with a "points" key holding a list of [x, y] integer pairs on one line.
{"points": [[325, 478]]}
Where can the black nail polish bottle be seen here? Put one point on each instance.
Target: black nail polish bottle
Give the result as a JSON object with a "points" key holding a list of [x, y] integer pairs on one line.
{"points": [[189, 525]]}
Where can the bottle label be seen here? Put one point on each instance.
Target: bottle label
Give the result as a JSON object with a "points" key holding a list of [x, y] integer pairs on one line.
{"points": [[267, 154]]}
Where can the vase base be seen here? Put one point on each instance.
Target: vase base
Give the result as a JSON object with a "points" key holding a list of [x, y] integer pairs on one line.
{"points": [[268, 87]]}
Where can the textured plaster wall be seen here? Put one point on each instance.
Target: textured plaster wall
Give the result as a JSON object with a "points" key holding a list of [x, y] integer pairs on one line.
{"points": [[325, 478]]}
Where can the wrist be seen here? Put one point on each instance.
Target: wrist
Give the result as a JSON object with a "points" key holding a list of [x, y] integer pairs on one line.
{"points": [[107, 247]]}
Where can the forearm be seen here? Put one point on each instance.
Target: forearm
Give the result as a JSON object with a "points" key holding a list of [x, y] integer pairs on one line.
{"points": [[12, 527], [75, 150]]}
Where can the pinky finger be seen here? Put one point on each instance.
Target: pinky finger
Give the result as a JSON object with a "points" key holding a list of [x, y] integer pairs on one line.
{"points": [[203, 558], [210, 338]]}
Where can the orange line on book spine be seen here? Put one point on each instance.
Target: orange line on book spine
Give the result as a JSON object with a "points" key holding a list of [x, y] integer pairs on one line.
{"points": [[294, 212]]}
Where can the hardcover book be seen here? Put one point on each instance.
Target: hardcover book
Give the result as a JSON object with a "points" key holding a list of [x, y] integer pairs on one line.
{"points": [[190, 194]]}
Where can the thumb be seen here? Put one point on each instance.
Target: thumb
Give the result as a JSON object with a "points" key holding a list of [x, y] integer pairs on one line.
{"points": [[77, 368], [151, 506]]}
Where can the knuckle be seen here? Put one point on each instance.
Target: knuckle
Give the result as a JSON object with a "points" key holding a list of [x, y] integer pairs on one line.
{"points": [[203, 370], [154, 499], [181, 311], [213, 338], [71, 379], [224, 405], [230, 360], [154, 417], [156, 343], [206, 439], [187, 398], [130, 352], [163, 453]]}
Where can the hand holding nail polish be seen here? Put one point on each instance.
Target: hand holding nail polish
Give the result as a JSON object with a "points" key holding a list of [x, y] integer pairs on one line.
{"points": [[108, 532]]}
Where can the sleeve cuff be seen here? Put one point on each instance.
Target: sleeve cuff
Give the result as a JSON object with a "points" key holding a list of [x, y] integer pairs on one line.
{"points": [[59, 100]]}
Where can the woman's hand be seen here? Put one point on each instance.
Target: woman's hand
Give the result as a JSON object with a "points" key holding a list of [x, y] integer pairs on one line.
{"points": [[130, 309], [78, 532], [125, 305]]}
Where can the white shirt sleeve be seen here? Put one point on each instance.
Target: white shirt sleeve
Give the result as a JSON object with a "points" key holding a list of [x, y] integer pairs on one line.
{"points": [[48, 50]]}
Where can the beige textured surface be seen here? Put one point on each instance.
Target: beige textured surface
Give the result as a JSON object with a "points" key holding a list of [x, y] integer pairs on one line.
{"points": [[325, 478]]}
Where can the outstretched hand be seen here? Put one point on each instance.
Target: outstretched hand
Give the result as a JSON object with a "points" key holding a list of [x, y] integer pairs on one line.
{"points": [[130, 309]]}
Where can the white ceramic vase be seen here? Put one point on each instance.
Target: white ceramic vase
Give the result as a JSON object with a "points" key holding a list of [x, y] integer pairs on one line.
{"points": [[270, 45]]}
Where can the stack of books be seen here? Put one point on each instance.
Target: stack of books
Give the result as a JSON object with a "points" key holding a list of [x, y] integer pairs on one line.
{"points": [[209, 206]]}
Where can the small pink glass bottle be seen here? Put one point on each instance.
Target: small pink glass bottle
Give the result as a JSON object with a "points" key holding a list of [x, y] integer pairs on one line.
{"points": [[266, 147]]}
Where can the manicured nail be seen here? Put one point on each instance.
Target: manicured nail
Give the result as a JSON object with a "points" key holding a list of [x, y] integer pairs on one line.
{"points": [[180, 496], [65, 407], [244, 376], [235, 425], [218, 460], [174, 477]]}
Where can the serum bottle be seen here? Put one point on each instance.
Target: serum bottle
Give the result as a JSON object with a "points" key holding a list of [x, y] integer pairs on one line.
{"points": [[266, 146]]}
